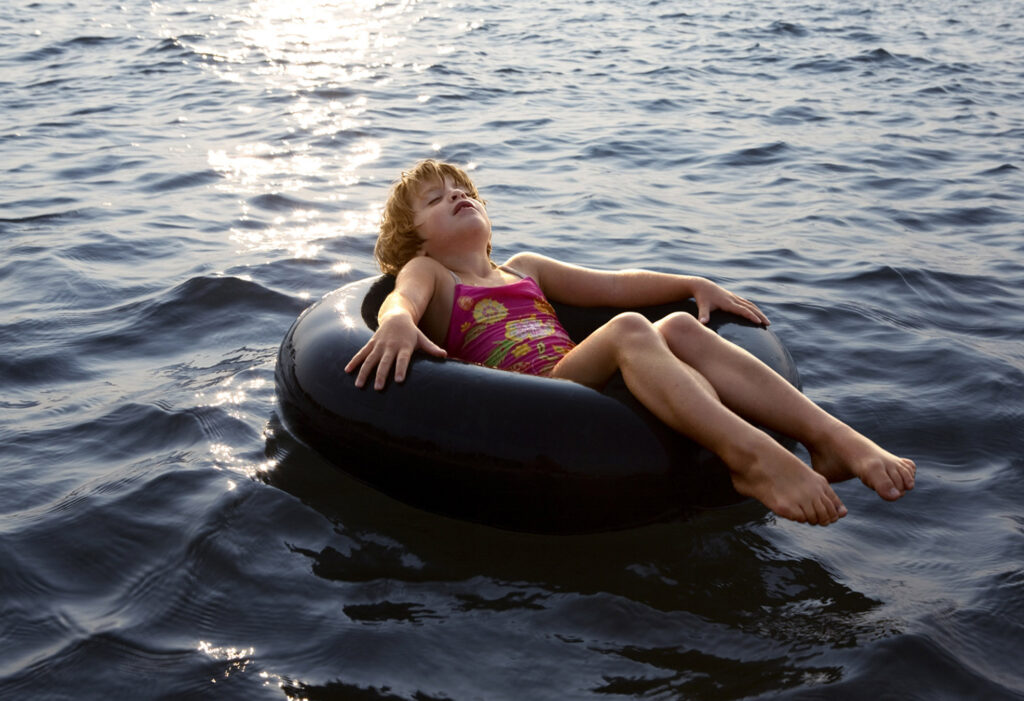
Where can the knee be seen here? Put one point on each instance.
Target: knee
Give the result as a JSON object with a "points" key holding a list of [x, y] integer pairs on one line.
{"points": [[632, 327], [683, 331], [680, 324]]}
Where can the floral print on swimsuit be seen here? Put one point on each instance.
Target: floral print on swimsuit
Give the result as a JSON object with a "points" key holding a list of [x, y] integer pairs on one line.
{"points": [[511, 327]]}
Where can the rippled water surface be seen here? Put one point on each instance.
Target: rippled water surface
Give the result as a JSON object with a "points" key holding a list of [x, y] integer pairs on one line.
{"points": [[182, 179]]}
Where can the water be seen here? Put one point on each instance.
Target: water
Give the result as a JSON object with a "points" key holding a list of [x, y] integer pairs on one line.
{"points": [[182, 179]]}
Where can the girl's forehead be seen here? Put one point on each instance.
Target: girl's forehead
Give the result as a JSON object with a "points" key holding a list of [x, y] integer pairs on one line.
{"points": [[430, 184]]}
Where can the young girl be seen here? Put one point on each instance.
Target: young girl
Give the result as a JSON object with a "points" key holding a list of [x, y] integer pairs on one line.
{"points": [[449, 298]]}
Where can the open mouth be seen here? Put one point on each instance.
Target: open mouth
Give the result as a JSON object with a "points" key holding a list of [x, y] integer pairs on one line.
{"points": [[462, 205]]}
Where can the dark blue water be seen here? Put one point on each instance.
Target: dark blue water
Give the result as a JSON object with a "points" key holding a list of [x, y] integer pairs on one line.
{"points": [[182, 179]]}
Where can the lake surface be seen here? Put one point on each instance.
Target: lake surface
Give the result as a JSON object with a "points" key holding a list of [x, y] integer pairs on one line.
{"points": [[182, 179]]}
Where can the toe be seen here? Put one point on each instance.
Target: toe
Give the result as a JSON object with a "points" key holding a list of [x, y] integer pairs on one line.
{"points": [[840, 508], [897, 478], [825, 511], [885, 479], [909, 473]]}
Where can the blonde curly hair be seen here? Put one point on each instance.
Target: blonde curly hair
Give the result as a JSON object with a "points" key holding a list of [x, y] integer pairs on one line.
{"points": [[398, 241]]}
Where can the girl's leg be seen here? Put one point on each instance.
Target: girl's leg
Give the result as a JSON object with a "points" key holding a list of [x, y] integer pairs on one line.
{"points": [[758, 393], [684, 399]]}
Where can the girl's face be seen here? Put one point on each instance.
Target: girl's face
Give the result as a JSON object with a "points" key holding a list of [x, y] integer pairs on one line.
{"points": [[449, 220]]}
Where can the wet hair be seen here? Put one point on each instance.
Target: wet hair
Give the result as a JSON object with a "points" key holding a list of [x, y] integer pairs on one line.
{"points": [[398, 241]]}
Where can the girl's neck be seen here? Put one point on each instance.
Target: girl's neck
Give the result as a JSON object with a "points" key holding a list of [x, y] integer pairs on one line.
{"points": [[473, 270]]}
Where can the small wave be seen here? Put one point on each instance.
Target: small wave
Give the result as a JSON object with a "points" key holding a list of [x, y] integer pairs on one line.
{"points": [[175, 44], [920, 656], [937, 220], [641, 152], [862, 36], [823, 64], [191, 314], [93, 110], [756, 156], [796, 114], [276, 202], [20, 369], [335, 93], [875, 58], [675, 15], [897, 187], [102, 166], [60, 48], [99, 565], [1000, 170], [443, 70], [129, 430], [519, 124], [48, 83], [788, 29], [93, 41], [46, 216], [878, 55], [662, 104], [41, 54], [178, 182]]}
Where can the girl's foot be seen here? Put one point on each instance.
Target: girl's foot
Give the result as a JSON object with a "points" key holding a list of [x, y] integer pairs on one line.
{"points": [[845, 454], [780, 481]]}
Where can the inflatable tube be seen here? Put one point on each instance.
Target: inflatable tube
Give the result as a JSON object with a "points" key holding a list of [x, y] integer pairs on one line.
{"points": [[509, 450]]}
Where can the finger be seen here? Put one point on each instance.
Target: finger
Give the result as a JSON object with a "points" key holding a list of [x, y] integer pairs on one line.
{"points": [[401, 365], [357, 359], [364, 371], [752, 312], [432, 348], [760, 316], [703, 311], [383, 369]]}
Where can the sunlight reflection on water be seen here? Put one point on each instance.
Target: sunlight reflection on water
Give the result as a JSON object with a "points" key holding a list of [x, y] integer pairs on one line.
{"points": [[301, 48]]}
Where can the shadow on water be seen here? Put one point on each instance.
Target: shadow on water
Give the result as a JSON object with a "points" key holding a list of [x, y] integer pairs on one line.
{"points": [[704, 608]]}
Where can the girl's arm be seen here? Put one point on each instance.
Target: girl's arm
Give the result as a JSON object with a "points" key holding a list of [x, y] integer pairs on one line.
{"points": [[398, 334], [586, 287]]}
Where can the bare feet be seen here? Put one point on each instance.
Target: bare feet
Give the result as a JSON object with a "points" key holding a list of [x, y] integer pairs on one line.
{"points": [[844, 454], [780, 481]]}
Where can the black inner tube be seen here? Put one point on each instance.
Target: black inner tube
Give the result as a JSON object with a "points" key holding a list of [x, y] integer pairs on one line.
{"points": [[509, 450]]}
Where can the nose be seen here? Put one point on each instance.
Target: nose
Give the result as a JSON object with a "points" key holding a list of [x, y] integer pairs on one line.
{"points": [[457, 192]]}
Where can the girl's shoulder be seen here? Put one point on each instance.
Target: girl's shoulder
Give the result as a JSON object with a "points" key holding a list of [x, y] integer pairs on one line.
{"points": [[527, 263], [426, 280], [423, 271], [543, 270]]}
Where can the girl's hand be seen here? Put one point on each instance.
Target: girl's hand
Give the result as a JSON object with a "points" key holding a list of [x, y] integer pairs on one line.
{"points": [[393, 343], [710, 296]]}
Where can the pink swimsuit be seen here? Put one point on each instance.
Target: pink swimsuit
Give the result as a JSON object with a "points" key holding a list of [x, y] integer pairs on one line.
{"points": [[510, 327]]}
